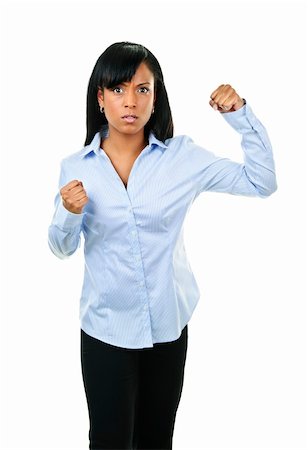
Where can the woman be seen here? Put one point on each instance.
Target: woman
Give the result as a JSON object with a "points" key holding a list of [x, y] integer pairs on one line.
{"points": [[128, 191]]}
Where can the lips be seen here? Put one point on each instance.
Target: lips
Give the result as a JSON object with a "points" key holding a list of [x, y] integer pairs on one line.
{"points": [[130, 118]]}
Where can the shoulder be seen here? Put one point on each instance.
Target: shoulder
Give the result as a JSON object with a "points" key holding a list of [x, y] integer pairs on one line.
{"points": [[74, 158], [196, 154], [79, 156], [180, 138], [181, 141]]}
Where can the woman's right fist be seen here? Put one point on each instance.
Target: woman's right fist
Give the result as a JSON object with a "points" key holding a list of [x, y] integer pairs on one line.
{"points": [[74, 196]]}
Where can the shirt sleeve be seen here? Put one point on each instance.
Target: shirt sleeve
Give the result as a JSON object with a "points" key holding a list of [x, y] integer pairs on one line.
{"points": [[254, 177], [64, 230]]}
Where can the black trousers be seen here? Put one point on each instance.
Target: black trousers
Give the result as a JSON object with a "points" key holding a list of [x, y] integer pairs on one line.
{"points": [[132, 395]]}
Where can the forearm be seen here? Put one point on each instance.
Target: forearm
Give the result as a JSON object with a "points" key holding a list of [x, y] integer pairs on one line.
{"points": [[64, 231], [259, 166]]}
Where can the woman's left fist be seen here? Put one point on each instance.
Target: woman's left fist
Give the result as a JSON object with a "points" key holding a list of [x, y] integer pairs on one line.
{"points": [[225, 99]]}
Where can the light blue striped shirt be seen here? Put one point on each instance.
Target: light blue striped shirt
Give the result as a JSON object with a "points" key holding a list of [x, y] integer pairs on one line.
{"points": [[138, 286]]}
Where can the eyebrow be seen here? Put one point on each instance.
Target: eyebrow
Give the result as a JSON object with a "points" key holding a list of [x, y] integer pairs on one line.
{"points": [[146, 82]]}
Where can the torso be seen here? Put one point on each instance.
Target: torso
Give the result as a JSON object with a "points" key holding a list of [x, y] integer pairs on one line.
{"points": [[123, 168], [122, 165]]}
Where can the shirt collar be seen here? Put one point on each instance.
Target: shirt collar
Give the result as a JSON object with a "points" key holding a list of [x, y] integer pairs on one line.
{"points": [[94, 146]]}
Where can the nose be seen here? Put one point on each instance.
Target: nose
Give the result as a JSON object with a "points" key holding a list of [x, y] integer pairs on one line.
{"points": [[130, 98]]}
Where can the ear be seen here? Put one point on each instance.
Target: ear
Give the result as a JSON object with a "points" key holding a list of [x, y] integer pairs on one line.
{"points": [[100, 97]]}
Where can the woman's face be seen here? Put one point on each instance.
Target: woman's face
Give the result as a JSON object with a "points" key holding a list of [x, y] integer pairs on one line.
{"points": [[135, 97]]}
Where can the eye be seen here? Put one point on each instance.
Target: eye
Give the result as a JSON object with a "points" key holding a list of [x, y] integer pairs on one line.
{"points": [[117, 87], [147, 90], [116, 90]]}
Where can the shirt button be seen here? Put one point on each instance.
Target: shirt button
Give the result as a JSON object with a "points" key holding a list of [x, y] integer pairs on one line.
{"points": [[141, 283], [134, 232]]}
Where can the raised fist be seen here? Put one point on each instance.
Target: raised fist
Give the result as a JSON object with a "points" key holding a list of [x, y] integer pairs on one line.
{"points": [[226, 99]]}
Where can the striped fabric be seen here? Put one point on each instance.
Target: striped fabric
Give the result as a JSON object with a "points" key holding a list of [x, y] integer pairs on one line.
{"points": [[138, 286]]}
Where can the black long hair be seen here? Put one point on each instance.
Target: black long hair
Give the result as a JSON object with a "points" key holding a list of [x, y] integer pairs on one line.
{"points": [[118, 64]]}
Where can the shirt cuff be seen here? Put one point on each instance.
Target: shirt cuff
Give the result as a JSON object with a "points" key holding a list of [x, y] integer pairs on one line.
{"points": [[65, 219], [243, 120]]}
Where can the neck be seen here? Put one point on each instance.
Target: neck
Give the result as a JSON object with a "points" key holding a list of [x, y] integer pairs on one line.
{"points": [[121, 144]]}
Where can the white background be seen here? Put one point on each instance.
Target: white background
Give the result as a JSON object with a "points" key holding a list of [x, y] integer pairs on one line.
{"points": [[245, 377]]}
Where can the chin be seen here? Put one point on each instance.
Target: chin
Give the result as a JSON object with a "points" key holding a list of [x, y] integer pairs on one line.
{"points": [[131, 128]]}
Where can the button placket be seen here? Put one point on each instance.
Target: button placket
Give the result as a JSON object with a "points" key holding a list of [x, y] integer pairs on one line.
{"points": [[140, 277]]}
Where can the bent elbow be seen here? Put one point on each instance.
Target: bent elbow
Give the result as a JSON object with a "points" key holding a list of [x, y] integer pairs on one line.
{"points": [[268, 190], [62, 244], [58, 252]]}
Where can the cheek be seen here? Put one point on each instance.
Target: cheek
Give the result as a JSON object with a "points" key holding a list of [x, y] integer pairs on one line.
{"points": [[112, 109], [148, 104]]}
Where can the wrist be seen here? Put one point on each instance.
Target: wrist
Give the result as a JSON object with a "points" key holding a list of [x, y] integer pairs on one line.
{"points": [[240, 105]]}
